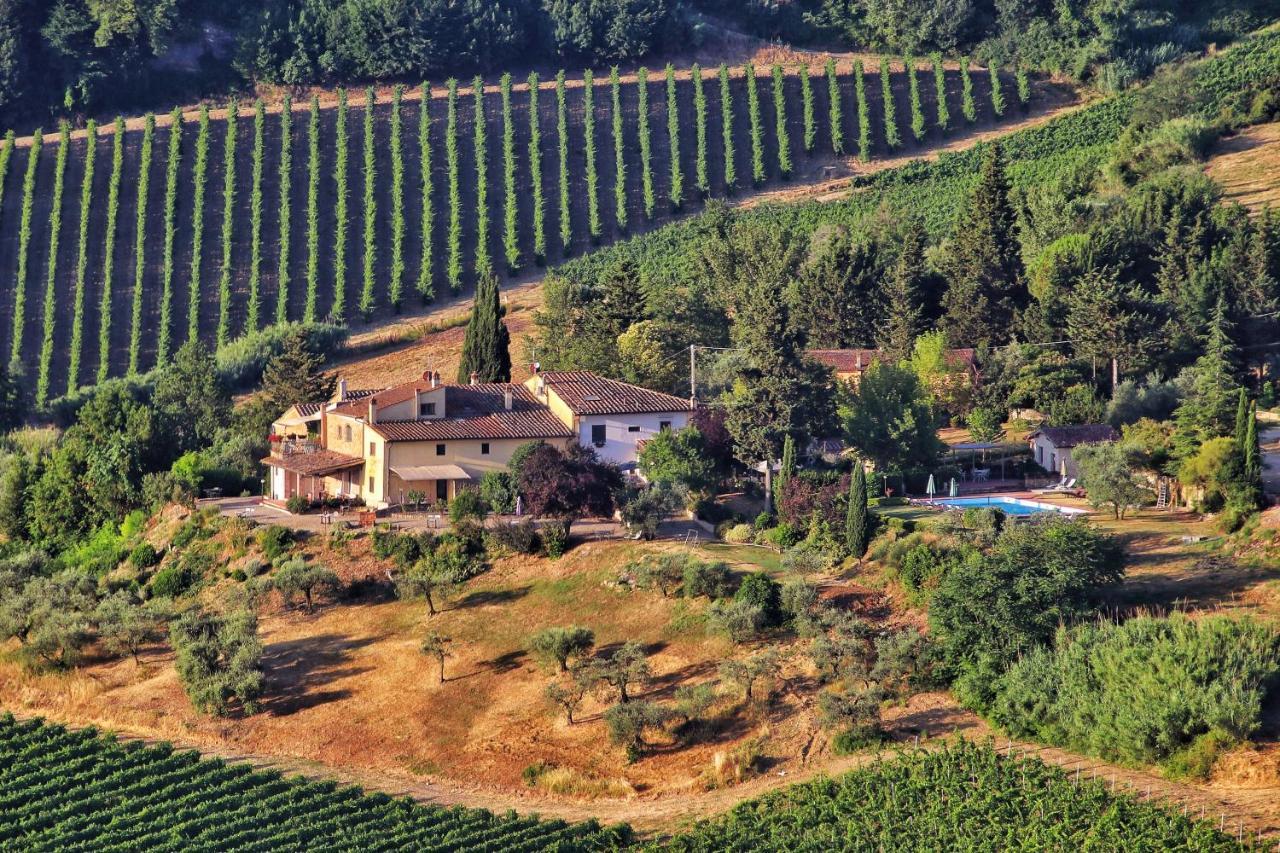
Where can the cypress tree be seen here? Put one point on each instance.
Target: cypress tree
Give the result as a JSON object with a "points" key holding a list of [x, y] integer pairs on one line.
{"points": [[486, 347], [1252, 458], [788, 467], [857, 524], [1242, 422]]}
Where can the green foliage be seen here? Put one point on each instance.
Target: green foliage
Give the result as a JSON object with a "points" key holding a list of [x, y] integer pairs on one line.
{"points": [[55, 236], [369, 178], [676, 190], [499, 491], [942, 112], [426, 265], [678, 457], [889, 419], [24, 247], [275, 540], [140, 241], [173, 581], [967, 106], [253, 314], [892, 135], [313, 212], [859, 522], [726, 130], [835, 107], [454, 250], [298, 577], [109, 244], [781, 135], [864, 111], [917, 109], [535, 173], [557, 646], [702, 173], [646, 142], [510, 202], [219, 660], [480, 132], [239, 806], [1023, 81], [284, 242], [486, 346], [1142, 690], [228, 228], [809, 110], [562, 138], [75, 349], [395, 290], [997, 89], [594, 225], [619, 156], [1107, 473], [164, 334], [341, 199], [758, 173], [759, 590]]}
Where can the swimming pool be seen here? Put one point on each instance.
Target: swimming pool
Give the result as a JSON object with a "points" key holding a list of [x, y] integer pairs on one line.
{"points": [[1010, 506]]}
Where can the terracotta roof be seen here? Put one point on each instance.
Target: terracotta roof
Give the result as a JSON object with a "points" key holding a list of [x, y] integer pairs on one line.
{"points": [[587, 394], [1070, 436], [480, 412], [315, 463], [309, 409], [858, 360]]}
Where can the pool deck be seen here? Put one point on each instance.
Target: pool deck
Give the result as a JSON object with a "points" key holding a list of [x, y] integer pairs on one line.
{"points": [[1076, 505]]}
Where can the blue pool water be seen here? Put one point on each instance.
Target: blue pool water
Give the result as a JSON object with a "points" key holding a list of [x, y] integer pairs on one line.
{"points": [[1010, 506]]}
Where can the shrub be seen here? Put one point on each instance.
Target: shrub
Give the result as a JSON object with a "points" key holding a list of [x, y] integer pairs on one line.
{"points": [[782, 135], [781, 537], [864, 111], [510, 203], [738, 620], [758, 174], [726, 132], [917, 110], [480, 131], [627, 723], [172, 581], [835, 109], [75, 352], [673, 140], [253, 314], [228, 223], [55, 234], [369, 177], [589, 135], [760, 590], [275, 540], [467, 504], [967, 105], [499, 491], [284, 209], [997, 89], [24, 246], [454, 273], [713, 580], [297, 504], [702, 174], [806, 559], [426, 265], [515, 537], [313, 212], [562, 128], [892, 136], [646, 142], [739, 534], [144, 556], [164, 333], [619, 158], [555, 539], [535, 174], [810, 113], [942, 113], [109, 247], [1023, 83]]}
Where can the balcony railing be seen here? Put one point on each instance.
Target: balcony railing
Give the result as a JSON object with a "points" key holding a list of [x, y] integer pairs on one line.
{"points": [[281, 446]]}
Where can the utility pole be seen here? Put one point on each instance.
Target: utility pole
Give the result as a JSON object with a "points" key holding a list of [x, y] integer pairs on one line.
{"points": [[693, 376]]}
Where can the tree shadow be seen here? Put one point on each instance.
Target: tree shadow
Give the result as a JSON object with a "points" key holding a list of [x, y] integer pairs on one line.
{"points": [[296, 671], [506, 662], [486, 597]]}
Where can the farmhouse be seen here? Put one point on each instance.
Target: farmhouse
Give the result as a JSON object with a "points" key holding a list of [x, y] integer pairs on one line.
{"points": [[1051, 446], [435, 438]]}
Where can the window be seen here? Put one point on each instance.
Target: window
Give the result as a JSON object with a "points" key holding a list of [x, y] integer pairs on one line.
{"points": [[598, 434], [348, 432], [633, 429], [484, 448], [664, 425], [371, 481], [439, 450], [373, 449], [427, 410]]}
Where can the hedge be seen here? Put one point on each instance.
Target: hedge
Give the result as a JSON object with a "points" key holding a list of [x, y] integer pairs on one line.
{"points": [[426, 265], [967, 105], [369, 178], [510, 202], [24, 244], [164, 334], [941, 110], [253, 312], [228, 225], [313, 212], [726, 130], [140, 242], [338, 309], [810, 115], [702, 175], [589, 134], [51, 276], [997, 89], [109, 246], [864, 112], [619, 153], [285, 209], [454, 273], [758, 174], [646, 142], [783, 137], [535, 174], [1023, 82], [917, 109], [835, 109], [76, 354], [562, 129], [892, 136], [395, 288], [480, 131], [676, 190]]}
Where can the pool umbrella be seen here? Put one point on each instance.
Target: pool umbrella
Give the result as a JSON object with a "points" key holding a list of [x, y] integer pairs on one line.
{"points": [[930, 488], [955, 488]]}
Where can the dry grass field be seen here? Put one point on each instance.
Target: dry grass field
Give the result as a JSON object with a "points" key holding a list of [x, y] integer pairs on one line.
{"points": [[1247, 166]]}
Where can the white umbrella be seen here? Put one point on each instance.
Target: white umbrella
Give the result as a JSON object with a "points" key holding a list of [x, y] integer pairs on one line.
{"points": [[930, 488], [955, 488]]}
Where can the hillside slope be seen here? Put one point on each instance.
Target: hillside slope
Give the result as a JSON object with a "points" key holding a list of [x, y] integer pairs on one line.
{"points": [[1247, 166]]}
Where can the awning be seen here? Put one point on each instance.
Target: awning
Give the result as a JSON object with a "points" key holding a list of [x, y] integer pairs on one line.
{"points": [[318, 463], [415, 473]]}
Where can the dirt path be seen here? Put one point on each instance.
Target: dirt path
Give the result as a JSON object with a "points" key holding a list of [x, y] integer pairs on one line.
{"points": [[1247, 811], [1269, 439]]}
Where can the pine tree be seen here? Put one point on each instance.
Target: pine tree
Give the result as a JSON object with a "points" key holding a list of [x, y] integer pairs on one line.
{"points": [[902, 297], [486, 348], [296, 375], [988, 288], [857, 523], [1208, 410]]}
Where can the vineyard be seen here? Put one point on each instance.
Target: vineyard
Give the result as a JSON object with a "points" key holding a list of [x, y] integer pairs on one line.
{"points": [[962, 797], [119, 243], [62, 790]]}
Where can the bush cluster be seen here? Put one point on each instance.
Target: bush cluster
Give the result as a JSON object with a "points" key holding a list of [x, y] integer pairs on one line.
{"points": [[835, 108], [967, 106], [892, 135], [726, 130], [758, 173], [341, 195], [562, 130], [997, 90], [917, 109], [864, 111], [426, 265], [535, 174], [480, 133], [942, 113], [702, 172], [809, 110], [24, 245], [594, 225], [619, 151]]}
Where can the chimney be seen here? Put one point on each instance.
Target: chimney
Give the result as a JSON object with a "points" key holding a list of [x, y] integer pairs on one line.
{"points": [[506, 399], [373, 408], [859, 359], [475, 378], [432, 377], [534, 367], [342, 390]]}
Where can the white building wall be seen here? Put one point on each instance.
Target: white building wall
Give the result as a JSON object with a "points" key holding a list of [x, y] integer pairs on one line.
{"points": [[620, 440]]}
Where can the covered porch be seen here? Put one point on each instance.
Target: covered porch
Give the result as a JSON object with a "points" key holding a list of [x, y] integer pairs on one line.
{"points": [[313, 475], [429, 484]]}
